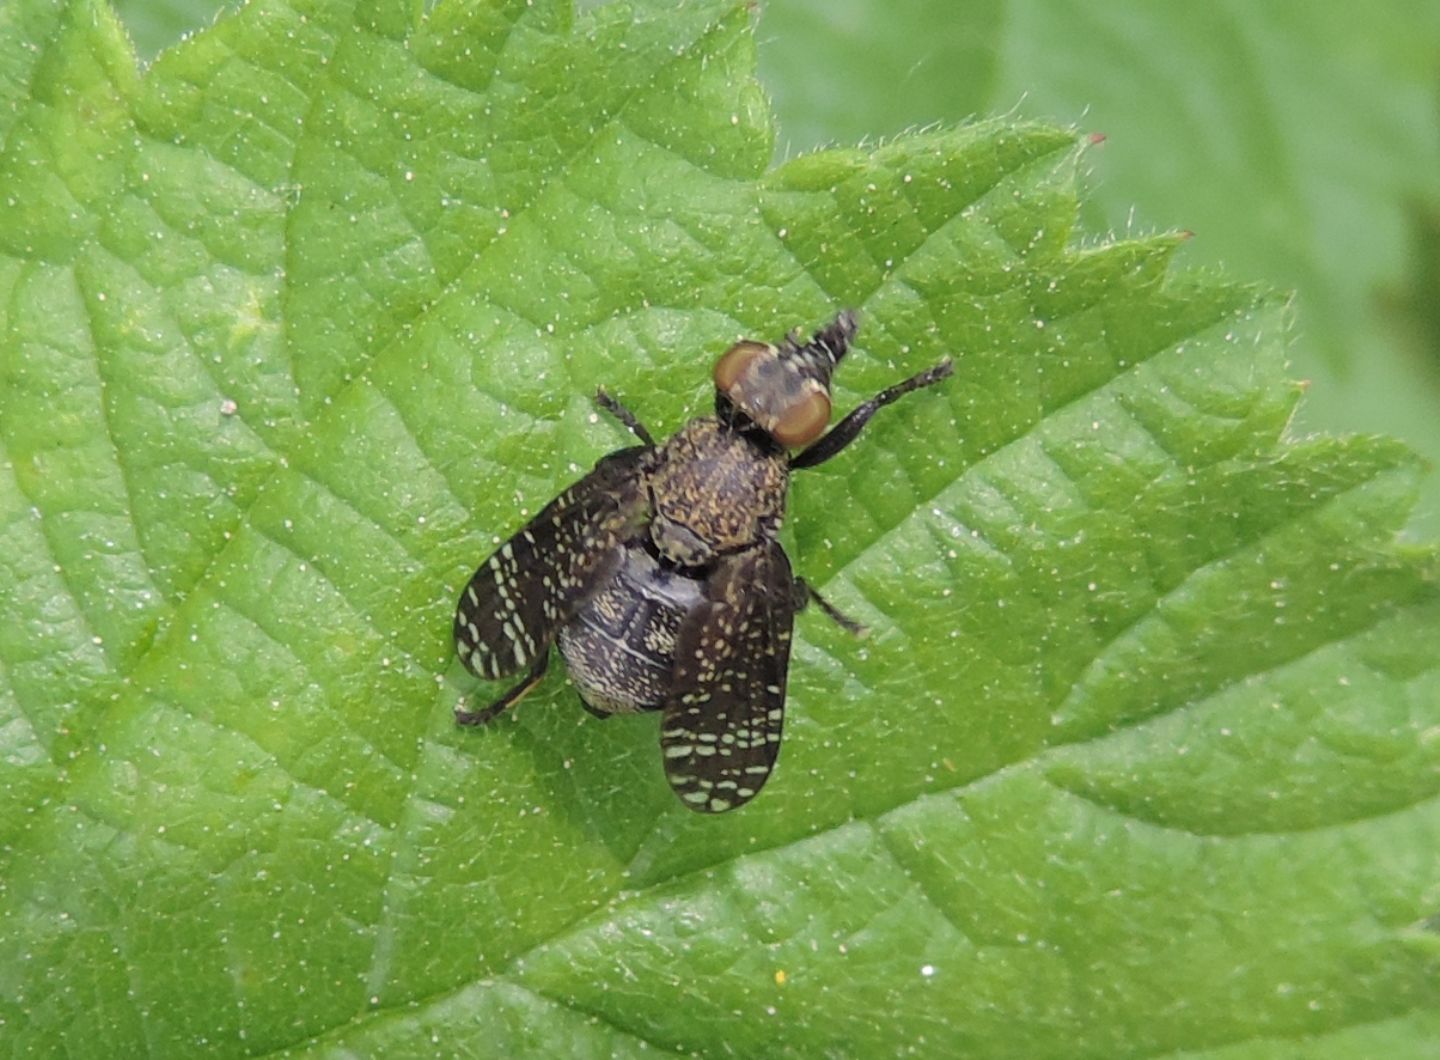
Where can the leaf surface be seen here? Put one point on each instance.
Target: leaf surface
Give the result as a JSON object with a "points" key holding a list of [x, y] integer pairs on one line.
{"points": [[1300, 143], [301, 322]]}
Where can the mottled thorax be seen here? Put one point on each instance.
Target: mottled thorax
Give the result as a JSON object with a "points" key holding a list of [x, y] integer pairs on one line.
{"points": [[715, 491]]}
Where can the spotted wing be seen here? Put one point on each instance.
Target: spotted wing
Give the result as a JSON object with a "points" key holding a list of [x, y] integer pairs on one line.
{"points": [[720, 733], [534, 583]]}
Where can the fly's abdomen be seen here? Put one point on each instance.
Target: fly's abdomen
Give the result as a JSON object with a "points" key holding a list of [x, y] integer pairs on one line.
{"points": [[620, 647]]}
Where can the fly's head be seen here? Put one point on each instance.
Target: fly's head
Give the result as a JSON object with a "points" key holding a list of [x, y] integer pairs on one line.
{"points": [[783, 390]]}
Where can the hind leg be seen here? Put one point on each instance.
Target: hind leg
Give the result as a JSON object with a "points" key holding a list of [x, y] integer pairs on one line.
{"points": [[464, 716]]}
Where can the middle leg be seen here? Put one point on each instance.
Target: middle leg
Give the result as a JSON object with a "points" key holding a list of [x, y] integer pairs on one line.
{"points": [[804, 594]]}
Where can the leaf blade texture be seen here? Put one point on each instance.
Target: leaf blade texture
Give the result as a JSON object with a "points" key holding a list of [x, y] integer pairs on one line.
{"points": [[303, 319]]}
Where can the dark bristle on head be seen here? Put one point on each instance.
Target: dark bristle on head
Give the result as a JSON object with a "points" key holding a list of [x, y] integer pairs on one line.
{"points": [[834, 339], [836, 335], [817, 357]]}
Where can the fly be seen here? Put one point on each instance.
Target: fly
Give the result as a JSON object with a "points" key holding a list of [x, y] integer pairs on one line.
{"points": [[660, 576]]}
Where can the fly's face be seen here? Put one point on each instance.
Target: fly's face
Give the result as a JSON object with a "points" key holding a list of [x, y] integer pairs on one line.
{"points": [[784, 390]]}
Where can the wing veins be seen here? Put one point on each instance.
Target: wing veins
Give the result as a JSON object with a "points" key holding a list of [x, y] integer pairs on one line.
{"points": [[510, 610], [720, 733]]}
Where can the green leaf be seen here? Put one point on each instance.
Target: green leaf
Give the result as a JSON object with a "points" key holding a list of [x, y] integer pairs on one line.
{"points": [[302, 321], [1300, 142]]}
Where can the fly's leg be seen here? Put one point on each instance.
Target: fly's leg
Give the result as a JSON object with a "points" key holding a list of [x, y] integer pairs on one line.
{"points": [[594, 711], [509, 699], [804, 593], [624, 415], [845, 432]]}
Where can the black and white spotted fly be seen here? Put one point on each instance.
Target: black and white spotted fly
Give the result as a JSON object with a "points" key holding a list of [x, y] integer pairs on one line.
{"points": [[659, 575]]}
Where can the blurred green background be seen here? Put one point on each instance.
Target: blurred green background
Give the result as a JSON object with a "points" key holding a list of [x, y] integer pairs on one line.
{"points": [[1299, 142]]}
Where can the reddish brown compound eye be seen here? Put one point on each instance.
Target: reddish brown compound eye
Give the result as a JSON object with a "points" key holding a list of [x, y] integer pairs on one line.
{"points": [[804, 421], [734, 362]]}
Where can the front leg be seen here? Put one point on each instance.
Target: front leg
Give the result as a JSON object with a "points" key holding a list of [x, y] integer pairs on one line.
{"points": [[845, 432], [624, 415]]}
